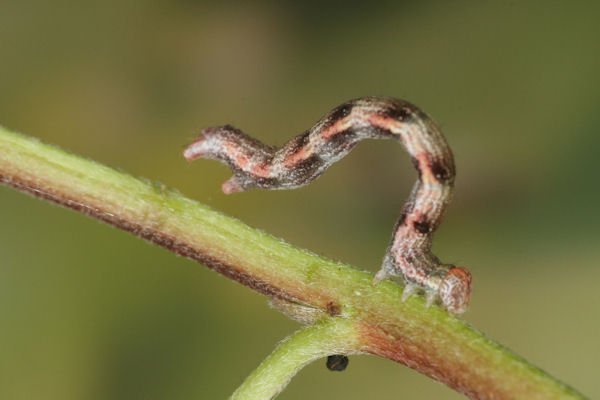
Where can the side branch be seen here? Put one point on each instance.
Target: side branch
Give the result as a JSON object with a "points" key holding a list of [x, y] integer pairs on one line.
{"points": [[430, 341], [320, 340]]}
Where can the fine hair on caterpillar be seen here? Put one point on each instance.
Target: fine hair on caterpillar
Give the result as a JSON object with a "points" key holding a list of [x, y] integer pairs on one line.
{"points": [[305, 157]]}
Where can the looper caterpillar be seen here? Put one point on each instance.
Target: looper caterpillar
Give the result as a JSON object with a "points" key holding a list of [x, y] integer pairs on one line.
{"points": [[305, 157]]}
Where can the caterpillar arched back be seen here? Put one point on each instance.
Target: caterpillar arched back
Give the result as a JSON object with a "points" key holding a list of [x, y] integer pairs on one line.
{"points": [[305, 157]]}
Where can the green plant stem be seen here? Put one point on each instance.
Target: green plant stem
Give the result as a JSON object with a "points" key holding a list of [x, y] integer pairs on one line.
{"points": [[333, 336], [428, 340]]}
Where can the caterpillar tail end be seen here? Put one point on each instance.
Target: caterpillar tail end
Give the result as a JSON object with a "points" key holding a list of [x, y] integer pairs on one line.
{"points": [[455, 290]]}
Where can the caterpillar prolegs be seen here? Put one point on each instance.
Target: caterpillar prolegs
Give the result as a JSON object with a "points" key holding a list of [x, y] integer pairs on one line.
{"points": [[305, 157]]}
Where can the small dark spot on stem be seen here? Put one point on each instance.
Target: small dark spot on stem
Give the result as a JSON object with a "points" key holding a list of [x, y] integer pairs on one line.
{"points": [[333, 309], [337, 362]]}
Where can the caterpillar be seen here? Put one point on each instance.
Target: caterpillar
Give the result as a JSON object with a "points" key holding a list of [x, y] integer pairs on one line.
{"points": [[306, 156]]}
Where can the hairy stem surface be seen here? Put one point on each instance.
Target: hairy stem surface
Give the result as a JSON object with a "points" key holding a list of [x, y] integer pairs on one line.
{"points": [[428, 340]]}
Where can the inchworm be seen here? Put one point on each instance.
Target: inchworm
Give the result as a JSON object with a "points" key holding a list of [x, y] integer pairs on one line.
{"points": [[305, 157]]}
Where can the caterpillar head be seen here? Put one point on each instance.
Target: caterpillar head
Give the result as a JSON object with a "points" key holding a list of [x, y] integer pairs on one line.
{"points": [[455, 290]]}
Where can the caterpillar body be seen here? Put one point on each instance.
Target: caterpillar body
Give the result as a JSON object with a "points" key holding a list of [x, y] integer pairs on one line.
{"points": [[306, 156]]}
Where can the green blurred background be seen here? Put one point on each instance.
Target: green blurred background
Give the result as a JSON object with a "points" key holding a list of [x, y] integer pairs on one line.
{"points": [[89, 312]]}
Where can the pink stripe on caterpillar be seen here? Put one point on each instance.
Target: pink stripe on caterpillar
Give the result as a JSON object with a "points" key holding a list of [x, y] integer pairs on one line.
{"points": [[305, 157]]}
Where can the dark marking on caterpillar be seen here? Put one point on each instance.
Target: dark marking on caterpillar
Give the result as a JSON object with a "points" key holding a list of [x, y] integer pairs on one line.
{"points": [[401, 220], [264, 182], [307, 156], [299, 142], [309, 166], [342, 141], [409, 258], [415, 163], [396, 112], [440, 172], [422, 226], [338, 113]]}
